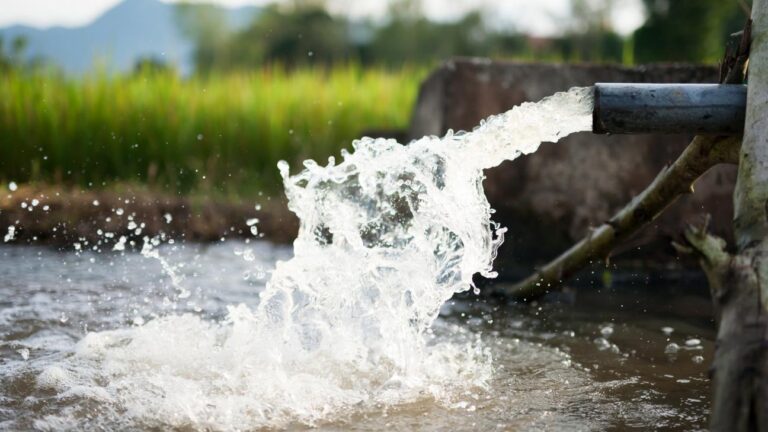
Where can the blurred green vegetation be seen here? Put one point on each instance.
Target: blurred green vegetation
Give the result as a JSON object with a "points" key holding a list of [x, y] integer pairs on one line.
{"points": [[688, 30], [220, 133], [303, 32]]}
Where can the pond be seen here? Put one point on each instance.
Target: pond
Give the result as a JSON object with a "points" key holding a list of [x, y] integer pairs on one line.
{"points": [[634, 356]]}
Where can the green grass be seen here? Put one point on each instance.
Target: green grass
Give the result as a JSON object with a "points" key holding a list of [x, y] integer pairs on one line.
{"points": [[221, 133]]}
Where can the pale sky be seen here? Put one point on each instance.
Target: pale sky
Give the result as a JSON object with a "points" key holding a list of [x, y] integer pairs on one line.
{"points": [[538, 17]]}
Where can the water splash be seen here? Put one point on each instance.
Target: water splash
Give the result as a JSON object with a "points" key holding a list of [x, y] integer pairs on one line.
{"points": [[387, 236]]}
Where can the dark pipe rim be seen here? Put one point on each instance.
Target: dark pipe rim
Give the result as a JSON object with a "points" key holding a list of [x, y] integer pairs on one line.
{"points": [[597, 125]]}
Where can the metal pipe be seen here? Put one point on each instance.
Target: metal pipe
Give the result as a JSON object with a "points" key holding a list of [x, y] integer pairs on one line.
{"points": [[701, 109]]}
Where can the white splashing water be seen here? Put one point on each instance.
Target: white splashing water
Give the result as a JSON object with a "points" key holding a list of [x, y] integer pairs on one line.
{"points": [[387, 236]]}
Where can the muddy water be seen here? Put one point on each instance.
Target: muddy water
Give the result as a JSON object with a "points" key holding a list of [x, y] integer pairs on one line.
{"points": [[633, 356]]}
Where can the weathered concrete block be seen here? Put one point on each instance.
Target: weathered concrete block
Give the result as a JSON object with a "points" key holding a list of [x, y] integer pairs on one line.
{"points": [[552, 198]]}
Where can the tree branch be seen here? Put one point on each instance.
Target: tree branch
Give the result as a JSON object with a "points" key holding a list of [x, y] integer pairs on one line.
{"points": [[701, 154], [713, 258]]}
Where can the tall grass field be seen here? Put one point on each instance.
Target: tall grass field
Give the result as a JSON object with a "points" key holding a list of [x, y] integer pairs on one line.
{"points": [[220, 133]]}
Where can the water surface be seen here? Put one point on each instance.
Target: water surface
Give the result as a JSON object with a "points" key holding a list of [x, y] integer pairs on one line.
{"points": [[601, 361]]}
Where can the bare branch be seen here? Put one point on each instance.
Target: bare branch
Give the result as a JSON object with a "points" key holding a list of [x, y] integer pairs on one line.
{"points": [[702, 154]]}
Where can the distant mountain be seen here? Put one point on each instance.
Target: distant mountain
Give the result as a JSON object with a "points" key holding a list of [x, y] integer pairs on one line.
{"points": [[130, 30]]}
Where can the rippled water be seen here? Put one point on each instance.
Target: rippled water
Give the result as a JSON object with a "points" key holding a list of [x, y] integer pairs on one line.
{"points": [[595, 363]]}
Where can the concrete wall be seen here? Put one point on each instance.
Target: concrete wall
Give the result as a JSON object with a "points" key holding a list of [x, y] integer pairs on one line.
{"points": [[550, 199]]}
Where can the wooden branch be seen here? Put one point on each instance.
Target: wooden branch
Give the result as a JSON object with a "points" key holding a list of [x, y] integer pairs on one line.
{"points": [[733, 65], [711, 248], [713, 258], [701, 154]]}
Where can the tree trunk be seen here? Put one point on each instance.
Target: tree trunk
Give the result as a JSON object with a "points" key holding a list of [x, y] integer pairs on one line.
{"points": [[740, 283]]}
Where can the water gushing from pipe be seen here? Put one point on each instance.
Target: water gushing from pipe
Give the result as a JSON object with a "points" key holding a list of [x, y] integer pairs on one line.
{"points": [[387, 236]]}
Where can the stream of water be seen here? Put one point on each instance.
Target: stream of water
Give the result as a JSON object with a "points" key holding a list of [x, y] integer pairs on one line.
{"points": [[344, 329]]}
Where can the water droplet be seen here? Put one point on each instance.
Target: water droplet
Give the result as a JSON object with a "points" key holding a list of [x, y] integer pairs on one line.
{"points": [[248, 255], [602, 343], [120, 245], [11, 235], [12, 186], [693, 342], [24, 352]]}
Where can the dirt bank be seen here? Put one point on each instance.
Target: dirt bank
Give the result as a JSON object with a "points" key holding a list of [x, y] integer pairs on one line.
{"points": [[45, 214]]}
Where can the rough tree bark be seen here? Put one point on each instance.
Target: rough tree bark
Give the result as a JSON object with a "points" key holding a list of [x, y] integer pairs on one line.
{"points": [[739, 283]]}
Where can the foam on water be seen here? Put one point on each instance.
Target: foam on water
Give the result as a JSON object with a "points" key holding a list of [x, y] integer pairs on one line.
{"points": [[387, 236]]}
